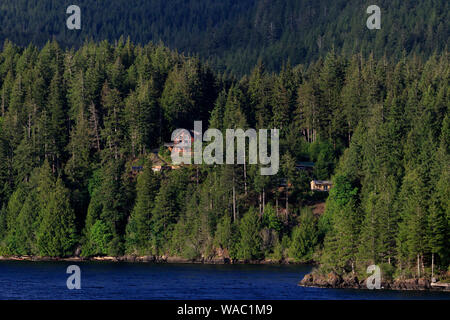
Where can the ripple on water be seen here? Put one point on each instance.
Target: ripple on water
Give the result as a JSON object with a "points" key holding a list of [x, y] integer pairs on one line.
{"points": [[109, 280]]}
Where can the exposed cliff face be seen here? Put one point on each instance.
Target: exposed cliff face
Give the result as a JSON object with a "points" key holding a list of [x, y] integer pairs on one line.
{"points": [[333, 280]]}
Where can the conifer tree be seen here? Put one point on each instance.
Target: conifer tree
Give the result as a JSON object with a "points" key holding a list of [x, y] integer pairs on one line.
{"points": [[58, 122], [304, 237], [57, 231], [139, 236], [13, 210], [113, 132], [250, 241], [27, 225]]}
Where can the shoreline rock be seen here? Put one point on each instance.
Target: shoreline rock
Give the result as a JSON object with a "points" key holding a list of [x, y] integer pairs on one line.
{"points": [[151, 259], [335, 281]]}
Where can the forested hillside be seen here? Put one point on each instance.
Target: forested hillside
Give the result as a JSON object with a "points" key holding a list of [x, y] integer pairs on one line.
{"points": [[74, 123], [235, 34]]}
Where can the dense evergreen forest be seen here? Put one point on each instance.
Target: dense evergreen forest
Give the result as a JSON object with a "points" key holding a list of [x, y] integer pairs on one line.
{"points": [[235, 34], [75, 124]]}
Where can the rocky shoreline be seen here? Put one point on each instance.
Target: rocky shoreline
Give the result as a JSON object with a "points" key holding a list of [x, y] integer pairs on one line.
{"points": [[333, 280], [149, 259], [313, 279]]}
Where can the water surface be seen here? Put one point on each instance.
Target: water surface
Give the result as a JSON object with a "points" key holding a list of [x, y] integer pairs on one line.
{"points": [[112, 280]]}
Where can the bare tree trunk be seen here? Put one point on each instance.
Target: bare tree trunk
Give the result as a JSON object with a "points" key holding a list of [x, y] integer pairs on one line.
{"points": [[34, 128], [245, 177], [287, 199], [95, 124], [264, 201], [234, 199], [423, 266], [349, 137], [115, 133], [432, 266], [260, 203], [3, 102], [197, 175], [29, 125], [418, 266], [133, 141]]}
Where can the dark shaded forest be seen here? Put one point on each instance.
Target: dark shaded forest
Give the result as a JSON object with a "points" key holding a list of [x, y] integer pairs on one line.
{"points": [[74, 123], [234, 35]]}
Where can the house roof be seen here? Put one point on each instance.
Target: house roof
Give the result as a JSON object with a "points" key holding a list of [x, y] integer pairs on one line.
{"points": [[156, 160], [322, 182]]}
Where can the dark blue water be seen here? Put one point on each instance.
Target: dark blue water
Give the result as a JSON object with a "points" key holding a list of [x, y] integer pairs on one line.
{"points": [[104, 280]]}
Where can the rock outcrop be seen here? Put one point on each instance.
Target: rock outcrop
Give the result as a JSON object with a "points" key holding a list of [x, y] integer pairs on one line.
{"points": [[334, 280], [330, 280]]}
